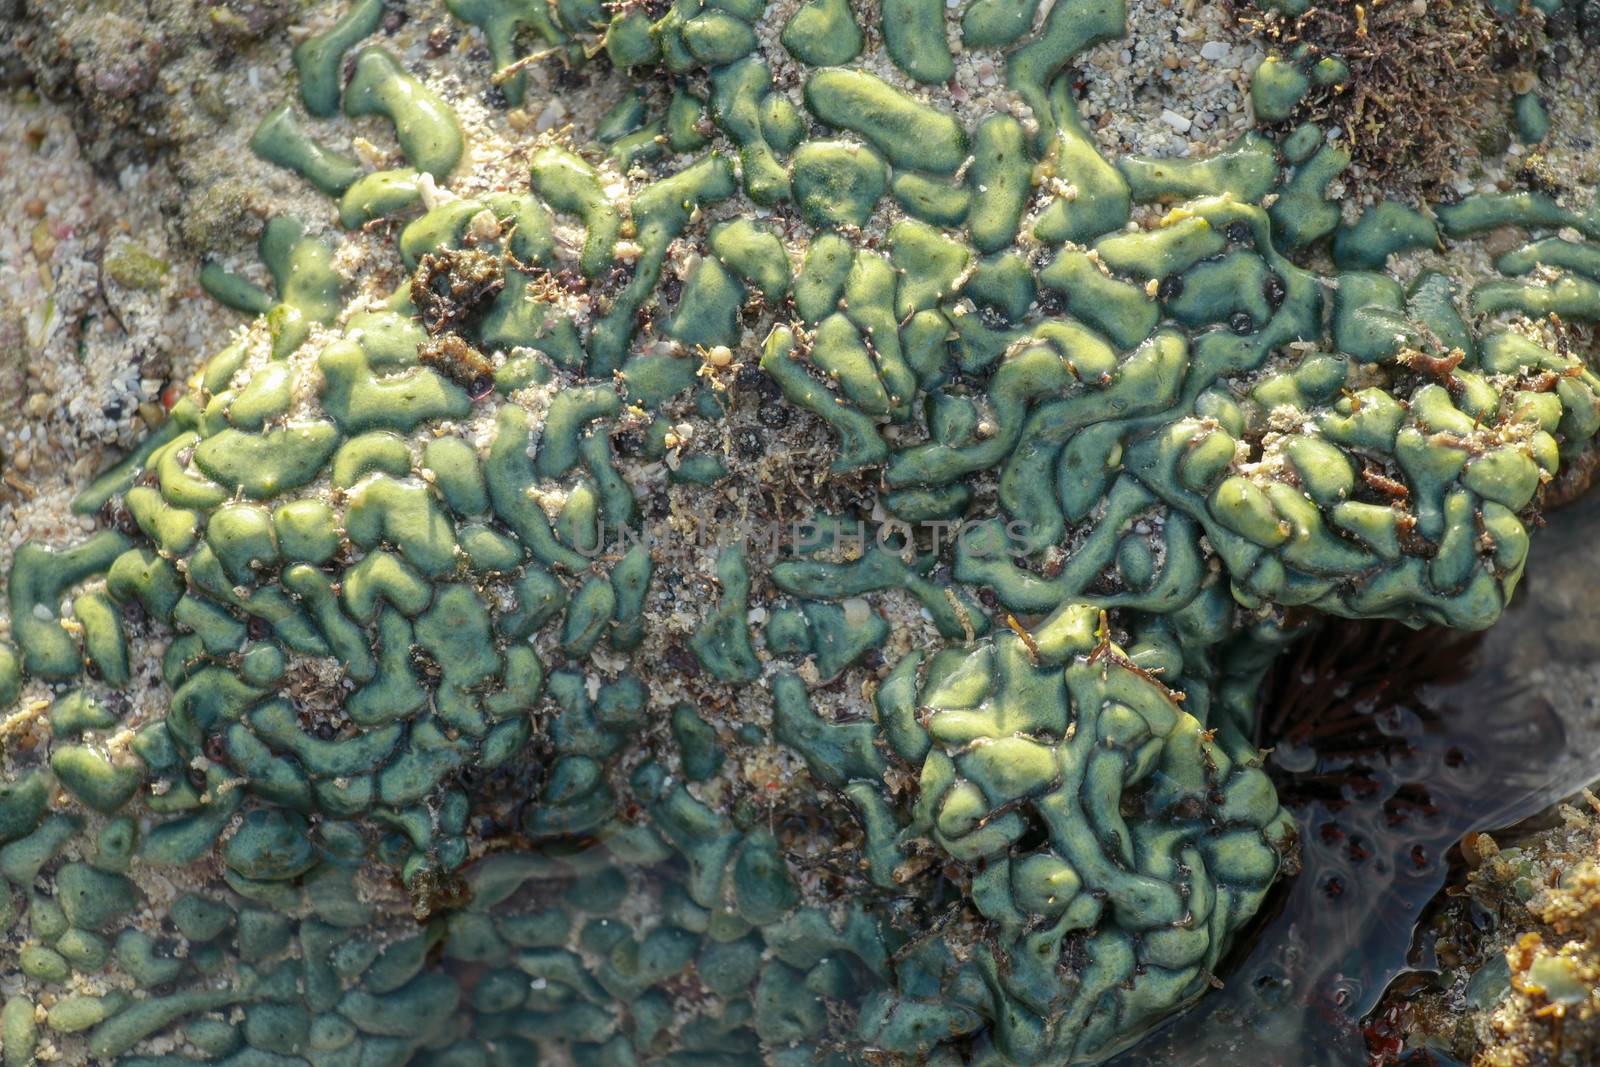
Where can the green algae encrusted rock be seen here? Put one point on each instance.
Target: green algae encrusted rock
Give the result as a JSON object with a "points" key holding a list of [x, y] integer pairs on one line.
{"points": [[400, 652]]}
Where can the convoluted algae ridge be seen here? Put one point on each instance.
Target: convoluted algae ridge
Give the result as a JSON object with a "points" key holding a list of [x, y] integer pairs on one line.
{"points": [[502, 710]]}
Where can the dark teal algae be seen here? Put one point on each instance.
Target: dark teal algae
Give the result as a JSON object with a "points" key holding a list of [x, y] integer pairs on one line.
{"points": [[1024, 815]]}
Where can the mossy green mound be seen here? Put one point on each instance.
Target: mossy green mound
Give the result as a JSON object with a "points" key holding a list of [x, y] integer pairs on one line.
{"points": [[458, 757]]}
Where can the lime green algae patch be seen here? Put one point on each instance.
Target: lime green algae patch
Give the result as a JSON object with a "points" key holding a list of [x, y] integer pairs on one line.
{"points": [[396, 713]]}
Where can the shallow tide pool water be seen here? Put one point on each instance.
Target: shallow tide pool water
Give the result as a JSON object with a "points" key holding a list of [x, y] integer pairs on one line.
{"points": [[1391, 745]]}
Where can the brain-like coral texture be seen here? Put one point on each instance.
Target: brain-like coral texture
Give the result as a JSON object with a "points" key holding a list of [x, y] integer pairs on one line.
{"points": [[781, 575]]}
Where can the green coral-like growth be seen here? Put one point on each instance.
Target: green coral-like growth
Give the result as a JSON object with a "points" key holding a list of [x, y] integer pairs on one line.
{"points": [[459, 758]]}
